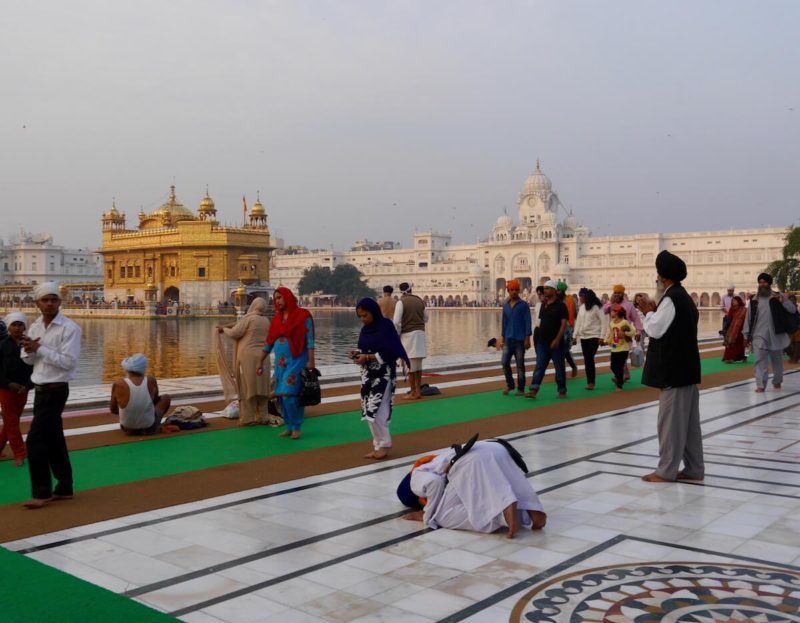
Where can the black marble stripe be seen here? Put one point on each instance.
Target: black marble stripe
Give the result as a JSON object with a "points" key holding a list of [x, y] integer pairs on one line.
{"points": [[732, 456], [727, 464]]}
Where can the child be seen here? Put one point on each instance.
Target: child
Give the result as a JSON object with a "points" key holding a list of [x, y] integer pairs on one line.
{"points": [[620, 335]]}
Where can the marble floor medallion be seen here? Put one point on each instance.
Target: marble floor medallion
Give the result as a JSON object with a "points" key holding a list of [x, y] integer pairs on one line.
{"points": [[676, 592]]}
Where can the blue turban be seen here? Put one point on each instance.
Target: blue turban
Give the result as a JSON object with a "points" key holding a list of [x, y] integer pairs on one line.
{"points": [[135, 363]]}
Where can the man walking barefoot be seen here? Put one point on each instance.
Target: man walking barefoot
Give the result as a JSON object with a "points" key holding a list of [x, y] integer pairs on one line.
{"points": [[673, 366], [52, 347]]}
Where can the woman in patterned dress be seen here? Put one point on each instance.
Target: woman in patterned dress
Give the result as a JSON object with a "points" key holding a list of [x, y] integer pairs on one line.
{"points": [[379, 348], [291, 338]]}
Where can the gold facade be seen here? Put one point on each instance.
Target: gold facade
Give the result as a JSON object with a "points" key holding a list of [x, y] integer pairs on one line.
{"points": [[177, 255]]}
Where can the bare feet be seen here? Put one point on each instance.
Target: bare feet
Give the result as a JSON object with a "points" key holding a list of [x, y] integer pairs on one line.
{"points": [[618, 389], [531, 394], [590, 386], [759, 390], [506, 391], [36, 503], [520, 392], [379, 454], [684, 476], [574, 372], [510, 515], [414, 516], [654, 478], [538, 519], [411, 397], [295, 434], [285, 433], [776, 385], [369, 455], [19, 462], [561, 396]]}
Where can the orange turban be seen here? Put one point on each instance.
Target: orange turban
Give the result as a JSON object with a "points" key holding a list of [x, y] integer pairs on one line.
{"points": [[512, 283], [619, 289]]}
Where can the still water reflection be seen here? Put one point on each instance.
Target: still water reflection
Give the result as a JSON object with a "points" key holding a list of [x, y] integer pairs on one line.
{"points": [[178, 348]]}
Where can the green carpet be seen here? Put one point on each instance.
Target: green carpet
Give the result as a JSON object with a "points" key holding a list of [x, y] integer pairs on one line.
{"points": [[117, 464], [43, 594]]}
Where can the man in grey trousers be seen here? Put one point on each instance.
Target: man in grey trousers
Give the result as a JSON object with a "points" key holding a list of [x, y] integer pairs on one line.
{"points": [[673, 366], [766, 332]]}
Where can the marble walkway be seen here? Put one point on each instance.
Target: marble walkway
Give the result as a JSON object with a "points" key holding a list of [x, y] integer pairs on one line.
{"points": [[333, 548]]}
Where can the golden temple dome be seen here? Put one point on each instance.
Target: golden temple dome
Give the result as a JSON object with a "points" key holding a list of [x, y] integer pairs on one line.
{"points": [[207, 203], [258, 208], [173, 210]]}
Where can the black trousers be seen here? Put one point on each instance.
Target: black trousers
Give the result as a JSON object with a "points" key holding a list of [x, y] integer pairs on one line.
{"points": [[47, 448], [589, 350], [618, 366]]}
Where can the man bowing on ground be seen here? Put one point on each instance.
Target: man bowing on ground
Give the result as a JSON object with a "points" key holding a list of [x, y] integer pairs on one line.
{"points": [[673, 366], [52, 347]]}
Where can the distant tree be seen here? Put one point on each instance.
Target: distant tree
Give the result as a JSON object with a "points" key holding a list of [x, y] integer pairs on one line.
{"points": [[345, 281], [786, 271], [348, 283], [315, 279]]}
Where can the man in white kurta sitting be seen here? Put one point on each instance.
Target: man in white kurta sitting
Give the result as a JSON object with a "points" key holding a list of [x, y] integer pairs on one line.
{"points": [[483, 490]]}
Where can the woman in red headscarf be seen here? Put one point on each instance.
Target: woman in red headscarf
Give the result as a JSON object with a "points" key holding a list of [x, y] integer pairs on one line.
{"points": [[734, 340], [291, 337]]}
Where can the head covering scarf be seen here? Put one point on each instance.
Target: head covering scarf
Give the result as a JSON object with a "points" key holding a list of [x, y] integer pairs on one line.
{"points": [[765, 277], [135, 363], [670, 266], [45, 289], [736, 319], [257, 308], [15, 316], [562, 286], [380, 336], [550, 284], [618, 289], [293, 327], [583, 291], [512, 283]]}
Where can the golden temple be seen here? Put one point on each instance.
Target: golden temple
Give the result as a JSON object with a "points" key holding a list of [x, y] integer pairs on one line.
{"points": [[176, 255]]}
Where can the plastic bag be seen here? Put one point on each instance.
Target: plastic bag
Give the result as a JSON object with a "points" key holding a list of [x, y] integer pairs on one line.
{"points": [[232, 410]]}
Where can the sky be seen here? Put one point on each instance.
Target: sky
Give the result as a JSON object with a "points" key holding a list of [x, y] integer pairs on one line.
{"points": [[373, 119]]}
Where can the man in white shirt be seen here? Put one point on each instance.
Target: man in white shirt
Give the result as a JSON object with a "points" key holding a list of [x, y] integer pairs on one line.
{"points": [[52, 346]]}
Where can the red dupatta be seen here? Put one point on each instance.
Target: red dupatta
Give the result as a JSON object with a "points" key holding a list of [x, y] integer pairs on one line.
{"points": [[736, 320], [293, 326]]}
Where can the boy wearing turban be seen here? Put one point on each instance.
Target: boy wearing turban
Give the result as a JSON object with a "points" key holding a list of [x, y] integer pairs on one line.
{"points": [[515, 337]]}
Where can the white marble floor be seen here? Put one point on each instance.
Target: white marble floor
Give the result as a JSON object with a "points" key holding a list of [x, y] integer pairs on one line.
{"points": [[333, 548]]}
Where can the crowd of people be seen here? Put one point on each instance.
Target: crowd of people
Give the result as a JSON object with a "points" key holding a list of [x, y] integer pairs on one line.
{"points": [[43, 357]]}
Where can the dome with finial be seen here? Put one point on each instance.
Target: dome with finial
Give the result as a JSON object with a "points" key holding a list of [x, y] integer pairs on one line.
{"points": [[503, 222], [570, 222], [207, 203], [173, 210], [537, 182], [113, 212], [258, 208]]}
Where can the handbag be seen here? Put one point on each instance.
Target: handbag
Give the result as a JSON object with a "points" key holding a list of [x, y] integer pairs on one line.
{"points": [[310, 391], [637, 356]]}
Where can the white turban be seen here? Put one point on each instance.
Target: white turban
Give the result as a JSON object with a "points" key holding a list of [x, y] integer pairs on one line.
{"points": [[15, 316], [135, 363], [551, 284], [45, 289]]}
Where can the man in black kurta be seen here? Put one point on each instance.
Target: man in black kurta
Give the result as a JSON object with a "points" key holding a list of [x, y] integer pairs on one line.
{"points": [[673, 366]]}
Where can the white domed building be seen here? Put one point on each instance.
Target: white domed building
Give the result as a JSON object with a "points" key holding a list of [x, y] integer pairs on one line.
{"points": [[549, 242]]}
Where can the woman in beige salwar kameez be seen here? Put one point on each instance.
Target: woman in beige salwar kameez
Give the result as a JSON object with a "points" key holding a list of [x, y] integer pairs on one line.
{"points": [[249, 334]]}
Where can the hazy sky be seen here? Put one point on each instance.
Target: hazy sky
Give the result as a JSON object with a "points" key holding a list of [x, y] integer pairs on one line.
{"points": [[368, 119]]}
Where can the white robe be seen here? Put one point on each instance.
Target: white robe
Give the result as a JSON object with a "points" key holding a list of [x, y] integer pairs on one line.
{"points": [[482, 484]]}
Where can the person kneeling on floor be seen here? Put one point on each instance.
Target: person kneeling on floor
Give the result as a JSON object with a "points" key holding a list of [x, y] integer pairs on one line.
{"points": [[135, 399], [481, 487]]}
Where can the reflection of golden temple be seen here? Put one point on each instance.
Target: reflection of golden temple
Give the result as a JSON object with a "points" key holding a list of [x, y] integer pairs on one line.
{"points": [[177, 255]]}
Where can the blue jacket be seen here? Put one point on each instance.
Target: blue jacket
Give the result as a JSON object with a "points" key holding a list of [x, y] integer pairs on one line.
{"points": [[516, 320]]}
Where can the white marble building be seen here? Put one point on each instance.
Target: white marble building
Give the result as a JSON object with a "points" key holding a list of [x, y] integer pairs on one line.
{"points": [[545, 243], [28, 258]]}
